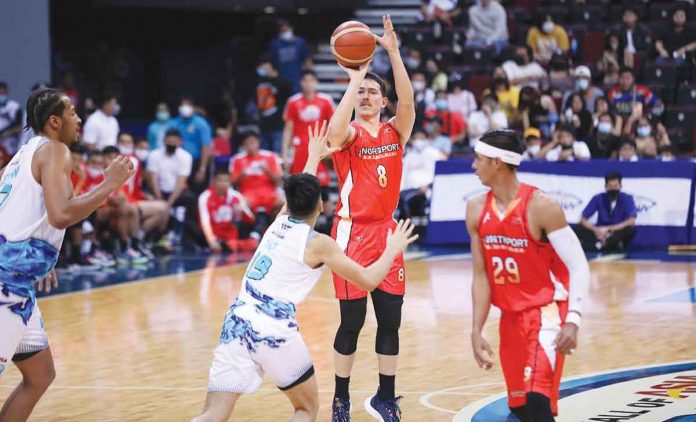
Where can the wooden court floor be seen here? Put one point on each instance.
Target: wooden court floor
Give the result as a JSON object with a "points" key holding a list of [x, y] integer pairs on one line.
{"points": [[141, 351]]}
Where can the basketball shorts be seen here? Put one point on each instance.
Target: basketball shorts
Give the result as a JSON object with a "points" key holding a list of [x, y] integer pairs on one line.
{"points": [[20, 333], [528, 354], [364, 244], [252, 343]]}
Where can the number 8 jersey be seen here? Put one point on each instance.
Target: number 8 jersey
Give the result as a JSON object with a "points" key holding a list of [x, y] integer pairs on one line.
{"points": [[369, 174], [522, 271]]}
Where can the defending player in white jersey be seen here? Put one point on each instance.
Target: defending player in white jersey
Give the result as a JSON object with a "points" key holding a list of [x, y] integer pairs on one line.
{"points": [[36, 205], [260, 332]]}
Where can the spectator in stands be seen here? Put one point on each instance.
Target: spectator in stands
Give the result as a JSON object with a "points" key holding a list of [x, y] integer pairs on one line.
{"points": [[603, 142], [537, 111], [508, 95], [142, 151], [444, 11], [564, 146], [256, 175], [424, 96], [159, 126], [602, 107], [609, 63], [633, 37], [584, 87], [68, 87], [272, 91], [196, 137], [418, 175], [487, 25], [522, 70], [442, 143], [532, 140], [221, 211], [101, 128], [168, 169], [576, 114], [10, 121], [222, 143], [547, 38], [461, 100], [639, 129], [627, 94], [678, 41], [560, 79], [453, 124], [437, 77], [412, 61], [616, 218], [627, 151], [490, 117], [289, 55], [666, 153]]}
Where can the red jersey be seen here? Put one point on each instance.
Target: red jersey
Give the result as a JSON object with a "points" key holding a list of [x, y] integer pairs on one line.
{"points": [[369, 174], [220, 213], [521, 270], [133, 187], [256, 177], [453, 123], [78, 182]]}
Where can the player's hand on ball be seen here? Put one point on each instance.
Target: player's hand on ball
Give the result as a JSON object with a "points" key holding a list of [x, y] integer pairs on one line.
{"points": [[357, 73], [482, 351], [319, 141], [45, 284], [119, 171], [567, 339], [388, 41], [402, 236]]}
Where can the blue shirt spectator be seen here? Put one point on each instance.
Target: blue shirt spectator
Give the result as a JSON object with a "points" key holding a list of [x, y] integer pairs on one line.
{"points": [[195, 130], [610, 210], [288, 53], [159, 126]]}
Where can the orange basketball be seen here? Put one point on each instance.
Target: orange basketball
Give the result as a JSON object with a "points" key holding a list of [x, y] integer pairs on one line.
{"points": [[352, 44]]}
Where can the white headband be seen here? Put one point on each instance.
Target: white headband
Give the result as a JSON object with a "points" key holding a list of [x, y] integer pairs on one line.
{"points": [[493, 152]]}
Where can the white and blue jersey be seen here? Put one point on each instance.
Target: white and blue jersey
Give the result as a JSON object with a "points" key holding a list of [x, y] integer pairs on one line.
{"points": [[260, 332]]}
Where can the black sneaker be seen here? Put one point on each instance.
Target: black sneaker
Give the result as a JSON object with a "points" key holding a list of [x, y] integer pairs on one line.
{"points": [[340, 410], [384, 410]]}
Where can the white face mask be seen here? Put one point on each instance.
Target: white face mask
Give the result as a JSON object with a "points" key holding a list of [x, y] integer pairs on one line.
{"points": [[186, 110], [547, 27], [94, 172], [418, 86], [604, 127], [533, 149], [582, 84], [141, 153], [419, 144], [286, 35], [126, 150], [643, 131], [117, 109]]}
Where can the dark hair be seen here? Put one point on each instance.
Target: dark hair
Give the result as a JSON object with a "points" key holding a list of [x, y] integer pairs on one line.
{"points": [[625, 69], [303, 193], [110, 150], [222, 171], [306, 72], [627, 142], [284, 22], [629, 8], [172, 132], [92, 153], [248, 134], [3, 85], [611, 116], [566, 127], [491, 96], [265, 58], [77, 148], [126, 133], [504, 139], [106, 97], [435, 119], [41, 105], [612, 175], [683, 9], [382, 85]]}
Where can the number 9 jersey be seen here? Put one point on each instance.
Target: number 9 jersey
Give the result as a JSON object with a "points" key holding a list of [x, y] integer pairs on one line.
{"points": [[522, 271]]}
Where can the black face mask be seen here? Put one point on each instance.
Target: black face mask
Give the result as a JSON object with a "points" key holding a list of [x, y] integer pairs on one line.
{"points": [[499, 80], [613, 193], [171, 149], [520, 60]]}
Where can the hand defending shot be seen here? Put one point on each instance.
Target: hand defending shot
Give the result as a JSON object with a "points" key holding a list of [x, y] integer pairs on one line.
{"points": [[401, 237], [319, 142]]}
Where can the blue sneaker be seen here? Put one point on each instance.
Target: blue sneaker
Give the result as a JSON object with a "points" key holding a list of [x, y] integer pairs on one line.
{"points": [[340, 410], [384, 410]]}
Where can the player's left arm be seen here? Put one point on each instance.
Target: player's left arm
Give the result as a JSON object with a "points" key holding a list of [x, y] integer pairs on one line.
{"points": [[405, 105], [550, 218]]}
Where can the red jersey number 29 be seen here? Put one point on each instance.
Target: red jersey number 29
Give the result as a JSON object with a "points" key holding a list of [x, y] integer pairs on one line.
{"points": [[382, 176], [505, 270]]}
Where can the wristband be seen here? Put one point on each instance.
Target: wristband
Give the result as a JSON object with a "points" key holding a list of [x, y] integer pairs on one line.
{"points": [[574, 317]]}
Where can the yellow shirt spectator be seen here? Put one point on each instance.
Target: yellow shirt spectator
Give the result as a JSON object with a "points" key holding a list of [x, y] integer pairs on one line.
{"points": [[544, 43]]}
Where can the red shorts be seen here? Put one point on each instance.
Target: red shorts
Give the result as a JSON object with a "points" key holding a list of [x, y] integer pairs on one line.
{"points": [[364, 244], [528, 355], [261, 197]]}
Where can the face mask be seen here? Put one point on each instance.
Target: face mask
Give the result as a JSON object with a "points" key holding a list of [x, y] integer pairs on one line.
{"points": [[126, 150], [141, 153], [418, 86], [186, 111], [261, 71], [666, 158], [658, 110], [412, 63], [171, 149], [614, 46], [613, 193], [499, 80], [534, 149], [94, 172], [3, 99], [643, 131], [604, 127], [117, 109], [582, 84], [419, 144], [547, 27], [520, 60], [429, 129], [286, 35], [162, 116], [441, 104]]}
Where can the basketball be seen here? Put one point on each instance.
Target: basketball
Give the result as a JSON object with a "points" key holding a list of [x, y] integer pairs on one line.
{"points": [[352, 44]]}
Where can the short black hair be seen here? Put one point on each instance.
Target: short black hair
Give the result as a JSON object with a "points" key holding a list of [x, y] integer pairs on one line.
{"points": [[382, 84], [626, 69], [172, 132], [41, 105], [126, 133], [105, 97], [110, 150], [566, 127], [504, 139], [248, 134], [222, 171], [265, 58], [3, 85], [306, 72], [93, 153], [77, 148], [435, 119], [303, 193], [612, 175]]}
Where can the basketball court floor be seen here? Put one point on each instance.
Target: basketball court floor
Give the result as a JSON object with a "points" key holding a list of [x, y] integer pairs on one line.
{"points": [[140, 350]]}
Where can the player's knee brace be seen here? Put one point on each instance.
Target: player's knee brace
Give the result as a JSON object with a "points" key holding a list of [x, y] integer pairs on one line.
{"points": [[352, 320], [388, 313], [539, 408]]}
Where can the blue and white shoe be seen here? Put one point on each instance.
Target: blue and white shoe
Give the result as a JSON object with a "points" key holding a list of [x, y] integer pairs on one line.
{"points": [[384, 410], [340, 410]]}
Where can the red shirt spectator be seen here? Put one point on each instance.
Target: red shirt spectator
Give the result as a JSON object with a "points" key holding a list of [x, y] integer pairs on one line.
{"points": [[221, 143], [256, 173]]}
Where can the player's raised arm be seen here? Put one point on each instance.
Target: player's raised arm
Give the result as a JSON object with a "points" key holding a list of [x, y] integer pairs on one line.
{"points": [[339, 126], [480, 289], [324, 250], [405, 106]]}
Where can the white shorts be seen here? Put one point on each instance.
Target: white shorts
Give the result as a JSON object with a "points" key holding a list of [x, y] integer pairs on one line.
{"points": [[16, 336], [253, 343]]}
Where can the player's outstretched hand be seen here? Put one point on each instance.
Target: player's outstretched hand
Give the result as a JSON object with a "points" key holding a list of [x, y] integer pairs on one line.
{"points": [[319, 141], [388, 41], [119, 171], [482, 351], [45, 284], [402, 236], [567, 339], [357, 73]]}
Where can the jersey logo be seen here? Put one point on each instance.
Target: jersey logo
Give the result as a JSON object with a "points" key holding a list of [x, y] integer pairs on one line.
{"points": [[382, 151], [487, 217], [310, 113]]}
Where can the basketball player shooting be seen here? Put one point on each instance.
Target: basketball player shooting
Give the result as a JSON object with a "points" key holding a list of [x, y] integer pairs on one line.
{"points": [[529, 263], [368, 167]]}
